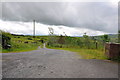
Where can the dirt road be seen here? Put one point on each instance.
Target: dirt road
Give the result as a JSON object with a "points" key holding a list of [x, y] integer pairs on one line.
{"points": [[50, 63]]}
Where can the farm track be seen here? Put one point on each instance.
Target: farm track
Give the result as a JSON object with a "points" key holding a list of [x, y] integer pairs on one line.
{"points": [[51, 63]]}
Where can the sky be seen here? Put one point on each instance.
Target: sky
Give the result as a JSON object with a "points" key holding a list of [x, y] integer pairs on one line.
{"points": [[71, 18]]}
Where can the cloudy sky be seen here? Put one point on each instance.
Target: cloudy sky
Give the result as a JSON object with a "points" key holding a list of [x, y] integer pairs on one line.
{"points": [[73, 18]]}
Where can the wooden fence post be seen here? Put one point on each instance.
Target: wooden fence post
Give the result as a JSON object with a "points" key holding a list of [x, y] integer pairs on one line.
{"points": [[112, 50]]}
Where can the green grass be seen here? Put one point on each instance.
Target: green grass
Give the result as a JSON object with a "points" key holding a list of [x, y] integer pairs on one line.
{"points": [[21, 48], [17, 46], [87, 53]]}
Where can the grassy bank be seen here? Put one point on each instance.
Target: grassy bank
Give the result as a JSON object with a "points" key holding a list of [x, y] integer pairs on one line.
{"points": [[21, 48], [22, 43], [87, 53]]}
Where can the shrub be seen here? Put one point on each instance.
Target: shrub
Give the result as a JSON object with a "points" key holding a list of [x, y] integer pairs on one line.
{"points": [[29, 38], [6, 40]]}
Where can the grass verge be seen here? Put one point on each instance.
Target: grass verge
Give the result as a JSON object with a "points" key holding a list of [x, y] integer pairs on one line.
{"points": [[87, 53], [21, 48]]}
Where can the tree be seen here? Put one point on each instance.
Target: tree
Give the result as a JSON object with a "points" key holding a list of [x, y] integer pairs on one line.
{"points": [[95, 41], [85, 36], [51, 30], [52, 38], [61, 39], [105, 38], [86, 40]]}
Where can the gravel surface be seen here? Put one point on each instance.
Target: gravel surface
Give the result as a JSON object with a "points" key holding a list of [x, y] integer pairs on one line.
{"points": [[51, 63]]}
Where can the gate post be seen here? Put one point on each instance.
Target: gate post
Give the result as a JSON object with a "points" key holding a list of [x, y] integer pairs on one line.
{"points": [[112, 50]]}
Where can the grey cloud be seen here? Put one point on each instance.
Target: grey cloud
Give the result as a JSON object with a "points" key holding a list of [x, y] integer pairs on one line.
{"points": [[92, 15]]}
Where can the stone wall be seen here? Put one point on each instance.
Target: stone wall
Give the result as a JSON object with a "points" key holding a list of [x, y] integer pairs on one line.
{"points": [[112, 50]]}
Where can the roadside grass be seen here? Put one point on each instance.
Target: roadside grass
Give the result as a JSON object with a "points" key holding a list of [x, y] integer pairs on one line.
{"points": [[21, 48], [87, 53], [17, 46]]}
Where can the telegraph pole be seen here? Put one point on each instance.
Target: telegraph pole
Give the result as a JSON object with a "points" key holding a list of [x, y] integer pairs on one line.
{"points": [[33, 28]]}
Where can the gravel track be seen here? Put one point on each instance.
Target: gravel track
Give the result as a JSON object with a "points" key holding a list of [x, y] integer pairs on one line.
{"points": [[51, 63]]}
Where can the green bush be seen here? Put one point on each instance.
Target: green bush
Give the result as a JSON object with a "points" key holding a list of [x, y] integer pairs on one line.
{"points": [[29, 38], [6, 43]]}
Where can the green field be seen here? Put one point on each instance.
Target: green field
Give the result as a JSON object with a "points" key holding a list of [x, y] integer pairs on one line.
{"points": [[87, 47], [22, 43]]}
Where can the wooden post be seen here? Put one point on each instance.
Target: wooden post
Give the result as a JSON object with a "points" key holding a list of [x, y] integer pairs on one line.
{"points": [[96, 45]]}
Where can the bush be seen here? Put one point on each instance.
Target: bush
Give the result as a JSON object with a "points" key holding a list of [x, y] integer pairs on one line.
{"points": [[6, 40], [29, 38]]}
